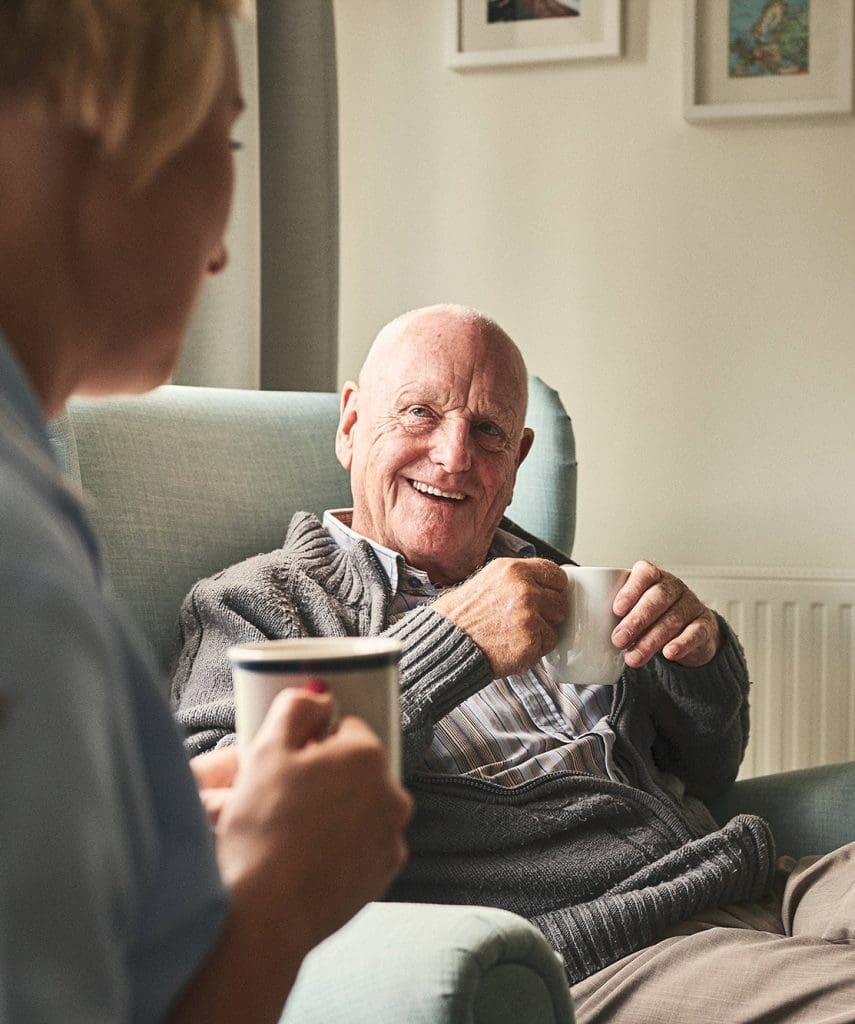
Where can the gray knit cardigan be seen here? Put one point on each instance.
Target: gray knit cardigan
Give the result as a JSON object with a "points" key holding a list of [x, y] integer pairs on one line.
{"points": [[601, 867]]}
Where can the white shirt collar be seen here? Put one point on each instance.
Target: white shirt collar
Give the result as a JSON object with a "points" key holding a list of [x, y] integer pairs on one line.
{"points": [[337, 523]]}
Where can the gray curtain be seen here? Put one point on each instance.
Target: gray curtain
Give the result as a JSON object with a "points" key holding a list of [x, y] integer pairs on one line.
{"points": [[299, 195], [271, 319], [223, 345]]}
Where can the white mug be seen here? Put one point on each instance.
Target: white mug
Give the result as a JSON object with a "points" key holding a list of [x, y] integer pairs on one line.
{"points": [[361, 673], [585, 654]]}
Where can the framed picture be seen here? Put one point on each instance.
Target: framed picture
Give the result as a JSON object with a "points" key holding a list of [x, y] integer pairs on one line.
{"points": [[767, 58], [487, 33]]}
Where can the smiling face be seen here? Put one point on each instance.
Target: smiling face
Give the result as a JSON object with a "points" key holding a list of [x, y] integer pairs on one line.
{"points": [[433, 435]]}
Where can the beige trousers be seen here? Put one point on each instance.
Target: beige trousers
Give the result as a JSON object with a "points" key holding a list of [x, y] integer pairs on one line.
{"points": [[789, 959]]}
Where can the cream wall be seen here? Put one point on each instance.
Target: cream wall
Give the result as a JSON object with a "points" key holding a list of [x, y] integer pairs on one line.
{"points": [[690, 291]]}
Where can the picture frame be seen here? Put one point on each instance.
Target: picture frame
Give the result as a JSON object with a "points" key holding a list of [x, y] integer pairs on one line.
{"points": [[474, 43], [741, 66]]}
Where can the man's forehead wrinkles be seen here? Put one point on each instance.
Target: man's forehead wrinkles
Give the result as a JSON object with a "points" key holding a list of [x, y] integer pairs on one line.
{"points": [[481, 404]]}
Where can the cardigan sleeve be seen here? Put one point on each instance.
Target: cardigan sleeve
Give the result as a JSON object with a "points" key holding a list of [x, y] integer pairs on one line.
{"points": [[701, 718], [440, 667], [268, 597], [245, 603]]}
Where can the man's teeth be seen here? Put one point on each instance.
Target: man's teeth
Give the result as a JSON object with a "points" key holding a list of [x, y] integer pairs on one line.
{"points": [[436, 492]]}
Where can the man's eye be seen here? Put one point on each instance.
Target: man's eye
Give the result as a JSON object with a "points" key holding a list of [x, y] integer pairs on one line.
{"points": [[235, 145], [490, 436], [416, 418]]}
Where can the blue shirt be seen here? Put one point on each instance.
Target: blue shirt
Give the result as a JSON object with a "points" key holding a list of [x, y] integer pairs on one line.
{"points": [[110, 897], [514, 729]]}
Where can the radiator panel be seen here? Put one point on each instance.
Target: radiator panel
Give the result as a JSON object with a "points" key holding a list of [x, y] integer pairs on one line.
{"points": [[798, 629]]}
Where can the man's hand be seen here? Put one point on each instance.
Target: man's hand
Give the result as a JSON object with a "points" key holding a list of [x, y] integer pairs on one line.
{"points": [[661, 614], [512, 609]]}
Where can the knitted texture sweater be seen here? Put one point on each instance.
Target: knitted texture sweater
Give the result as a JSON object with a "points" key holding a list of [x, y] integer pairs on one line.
{"points": [[603, 868]]}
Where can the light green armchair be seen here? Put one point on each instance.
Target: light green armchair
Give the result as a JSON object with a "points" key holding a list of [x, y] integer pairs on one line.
{"points": [[185, 481]]}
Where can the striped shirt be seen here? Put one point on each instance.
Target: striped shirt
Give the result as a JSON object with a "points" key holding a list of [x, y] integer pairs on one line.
{"points": [[514, 729]]}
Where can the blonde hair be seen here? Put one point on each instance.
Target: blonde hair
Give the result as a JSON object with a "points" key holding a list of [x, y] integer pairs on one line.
{"points": [[137, 75]]}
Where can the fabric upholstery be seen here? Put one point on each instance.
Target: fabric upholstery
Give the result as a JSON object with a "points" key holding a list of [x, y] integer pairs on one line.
{"points": [[470, 965], [811, 810], [545, 496]]}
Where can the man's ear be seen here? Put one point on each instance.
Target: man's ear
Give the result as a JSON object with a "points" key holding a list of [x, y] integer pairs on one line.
{"points": [[526, 441], [346, 422]]}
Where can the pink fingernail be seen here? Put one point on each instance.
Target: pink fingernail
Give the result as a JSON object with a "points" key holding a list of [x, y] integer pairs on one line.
{"points": [[316, 685]]}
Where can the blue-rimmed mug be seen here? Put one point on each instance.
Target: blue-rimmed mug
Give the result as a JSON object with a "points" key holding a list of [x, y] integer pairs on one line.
{"points": [[361, 672]]}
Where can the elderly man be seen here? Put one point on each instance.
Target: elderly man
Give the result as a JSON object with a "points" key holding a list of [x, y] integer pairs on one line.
{"points": [[581, 808]]}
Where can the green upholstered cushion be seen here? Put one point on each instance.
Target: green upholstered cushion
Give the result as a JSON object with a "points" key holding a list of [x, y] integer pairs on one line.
{"points": [[185, 481], [811, 810], [545, 494]]}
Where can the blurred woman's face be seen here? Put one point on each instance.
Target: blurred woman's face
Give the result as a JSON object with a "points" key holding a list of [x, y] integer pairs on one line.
{"points": [[143, 254]]}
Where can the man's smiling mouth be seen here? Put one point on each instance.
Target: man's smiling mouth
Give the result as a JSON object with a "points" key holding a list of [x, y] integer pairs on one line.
{"points": [[435, 492]]}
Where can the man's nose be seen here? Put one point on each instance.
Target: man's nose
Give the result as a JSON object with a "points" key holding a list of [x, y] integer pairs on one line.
{"points": [[450, 448]]}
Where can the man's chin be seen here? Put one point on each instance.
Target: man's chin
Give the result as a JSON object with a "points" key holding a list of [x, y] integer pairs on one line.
{"points": [[445, 566]]}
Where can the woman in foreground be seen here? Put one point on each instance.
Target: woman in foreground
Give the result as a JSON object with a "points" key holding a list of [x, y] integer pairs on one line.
{"points": [[119, 898]]}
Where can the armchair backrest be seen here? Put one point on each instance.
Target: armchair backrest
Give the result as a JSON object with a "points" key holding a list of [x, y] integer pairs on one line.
{"points": [[185, 481]]}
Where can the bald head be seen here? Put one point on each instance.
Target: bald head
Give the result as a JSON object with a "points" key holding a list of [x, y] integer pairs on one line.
{"points": [[433, 433], [429, 328]]}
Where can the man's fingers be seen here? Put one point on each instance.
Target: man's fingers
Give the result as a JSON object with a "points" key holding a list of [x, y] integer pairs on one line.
{"points": [[697, 644], [548, 639], [555, 606], [548, 574], [668, 604], [695, 635], [665, 617], [652, 639], [642, 577], [505, 608]]}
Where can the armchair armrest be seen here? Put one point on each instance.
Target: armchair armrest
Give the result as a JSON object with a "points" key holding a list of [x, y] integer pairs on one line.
{"points": [[811, 810], [431, 964]]}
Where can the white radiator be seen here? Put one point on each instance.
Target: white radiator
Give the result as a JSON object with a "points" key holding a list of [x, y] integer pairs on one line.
{"points": [[798, 630]]}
